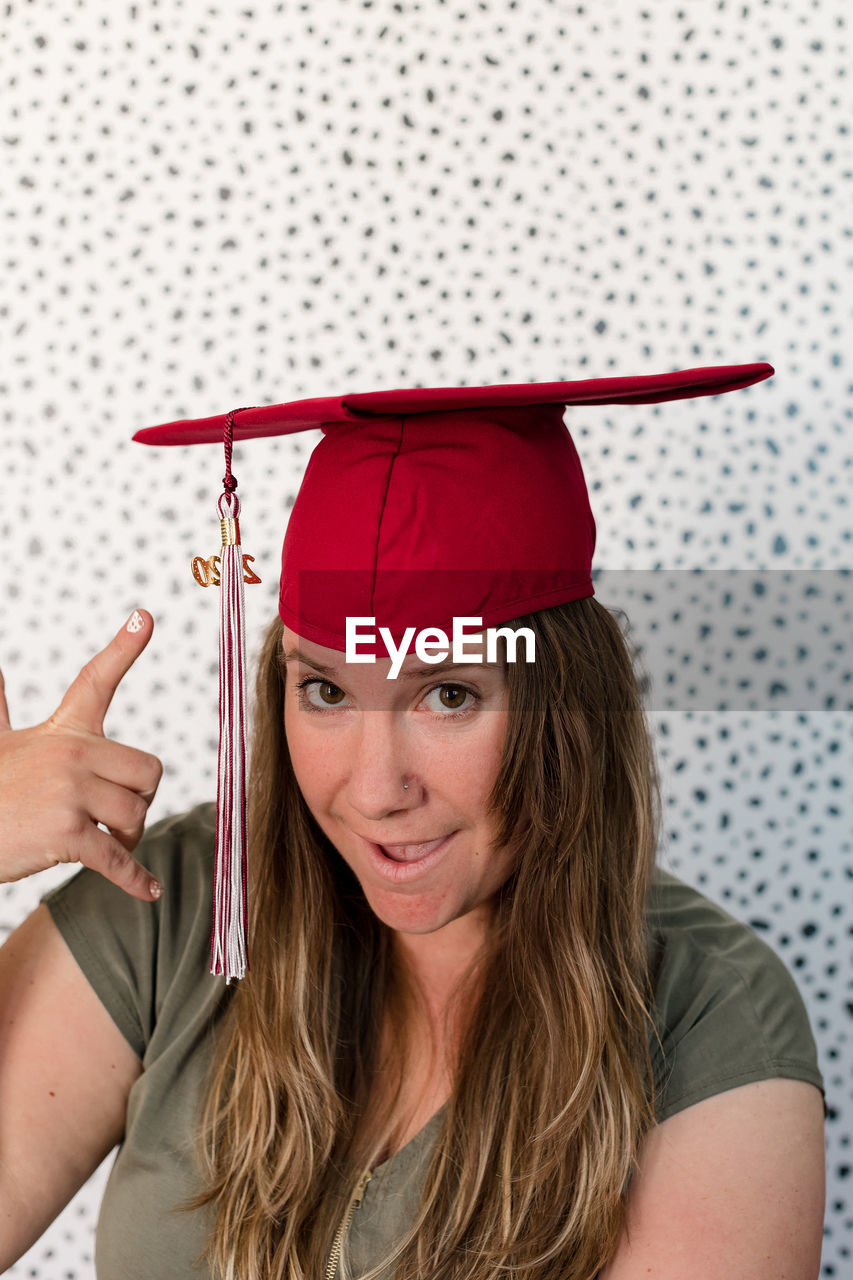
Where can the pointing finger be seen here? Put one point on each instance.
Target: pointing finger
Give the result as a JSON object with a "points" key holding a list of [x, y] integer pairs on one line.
{"points": [[88, 698]]}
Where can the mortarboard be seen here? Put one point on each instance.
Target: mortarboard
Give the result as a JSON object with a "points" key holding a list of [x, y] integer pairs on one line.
{"points": [[416, 507]]}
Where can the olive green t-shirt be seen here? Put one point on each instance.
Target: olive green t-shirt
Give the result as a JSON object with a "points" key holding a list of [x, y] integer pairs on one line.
{"points": [[727, 1010]]}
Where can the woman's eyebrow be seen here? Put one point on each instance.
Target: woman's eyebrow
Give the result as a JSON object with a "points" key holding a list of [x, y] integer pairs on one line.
{"points": [[296, 655]]}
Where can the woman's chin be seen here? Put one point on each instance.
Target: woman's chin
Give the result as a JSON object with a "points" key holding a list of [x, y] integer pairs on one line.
{"points": [[413, 914]]}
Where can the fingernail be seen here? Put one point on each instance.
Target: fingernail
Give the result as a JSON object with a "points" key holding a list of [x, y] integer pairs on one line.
{"points": [[135, 622], [155, 888]]}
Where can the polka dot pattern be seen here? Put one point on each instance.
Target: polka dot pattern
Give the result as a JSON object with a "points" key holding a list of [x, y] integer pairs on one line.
{"points": [[207, 206]]}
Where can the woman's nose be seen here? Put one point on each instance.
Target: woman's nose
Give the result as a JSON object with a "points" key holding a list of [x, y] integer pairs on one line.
{"points": [[380, 779]]}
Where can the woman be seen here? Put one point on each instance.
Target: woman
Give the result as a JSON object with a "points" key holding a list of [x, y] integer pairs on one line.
{"points": [[478, 1028]]}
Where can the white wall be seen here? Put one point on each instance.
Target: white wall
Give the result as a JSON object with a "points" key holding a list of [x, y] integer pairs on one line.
{"points": [[205, 207]]}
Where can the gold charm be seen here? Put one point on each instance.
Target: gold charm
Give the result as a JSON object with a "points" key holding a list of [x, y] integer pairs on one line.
{"points": [[249, 575], [207, 572]]}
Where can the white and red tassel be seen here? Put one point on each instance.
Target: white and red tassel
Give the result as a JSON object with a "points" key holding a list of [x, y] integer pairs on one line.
{"points": [[229, 941]]}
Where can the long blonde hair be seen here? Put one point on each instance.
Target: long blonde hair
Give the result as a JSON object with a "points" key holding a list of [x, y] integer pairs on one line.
{"points": [[552, 1088]]}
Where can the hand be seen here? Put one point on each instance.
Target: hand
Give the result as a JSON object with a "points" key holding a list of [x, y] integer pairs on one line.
{"points": [[59, 779]]}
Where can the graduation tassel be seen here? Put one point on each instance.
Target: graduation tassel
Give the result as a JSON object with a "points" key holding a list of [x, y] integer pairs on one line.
{"points": [[229, 939]]}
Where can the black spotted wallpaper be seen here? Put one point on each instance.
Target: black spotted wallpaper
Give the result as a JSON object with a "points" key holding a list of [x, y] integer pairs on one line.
{"points": [[207, 206]]}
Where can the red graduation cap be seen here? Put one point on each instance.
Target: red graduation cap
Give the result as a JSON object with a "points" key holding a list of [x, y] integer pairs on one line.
{"points": [[417, 506], [424, 504]]}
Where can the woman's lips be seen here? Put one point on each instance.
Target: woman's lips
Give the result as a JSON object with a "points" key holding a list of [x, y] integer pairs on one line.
{"points": [[416, 859], [411, 852]]}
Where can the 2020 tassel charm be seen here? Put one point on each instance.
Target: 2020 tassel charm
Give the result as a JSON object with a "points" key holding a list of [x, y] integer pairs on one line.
{"points": [[229, 935]]}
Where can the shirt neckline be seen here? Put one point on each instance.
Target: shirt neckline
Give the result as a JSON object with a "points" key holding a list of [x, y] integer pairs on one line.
{"points": [[411, 1148]]}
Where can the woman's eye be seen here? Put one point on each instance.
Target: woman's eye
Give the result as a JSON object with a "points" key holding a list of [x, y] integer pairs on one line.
{"points": [[328, 694], [450, 697]]}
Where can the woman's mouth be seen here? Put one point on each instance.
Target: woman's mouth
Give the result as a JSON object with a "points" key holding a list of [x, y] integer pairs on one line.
{"points": [[410, 852], [403, 862]]}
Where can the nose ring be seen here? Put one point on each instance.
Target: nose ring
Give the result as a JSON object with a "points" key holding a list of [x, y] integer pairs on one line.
{"points": [[405, 786]]}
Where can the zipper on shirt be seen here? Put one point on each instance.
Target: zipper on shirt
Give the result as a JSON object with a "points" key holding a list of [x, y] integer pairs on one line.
{"points": [[337, 1243]]}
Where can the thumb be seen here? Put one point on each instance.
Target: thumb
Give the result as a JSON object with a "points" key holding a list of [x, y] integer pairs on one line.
{"points": [[88, 697], [5, 723]]}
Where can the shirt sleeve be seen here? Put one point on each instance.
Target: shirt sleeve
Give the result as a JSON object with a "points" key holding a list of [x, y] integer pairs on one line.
{"points": [[132, 952], [727, 1010]]}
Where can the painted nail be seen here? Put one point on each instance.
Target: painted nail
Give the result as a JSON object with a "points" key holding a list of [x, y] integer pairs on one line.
{"points": [[155, 888], [135, 622]]}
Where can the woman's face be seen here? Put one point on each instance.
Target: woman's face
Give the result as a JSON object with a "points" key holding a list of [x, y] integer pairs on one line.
{"points": [[356, 737]]}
